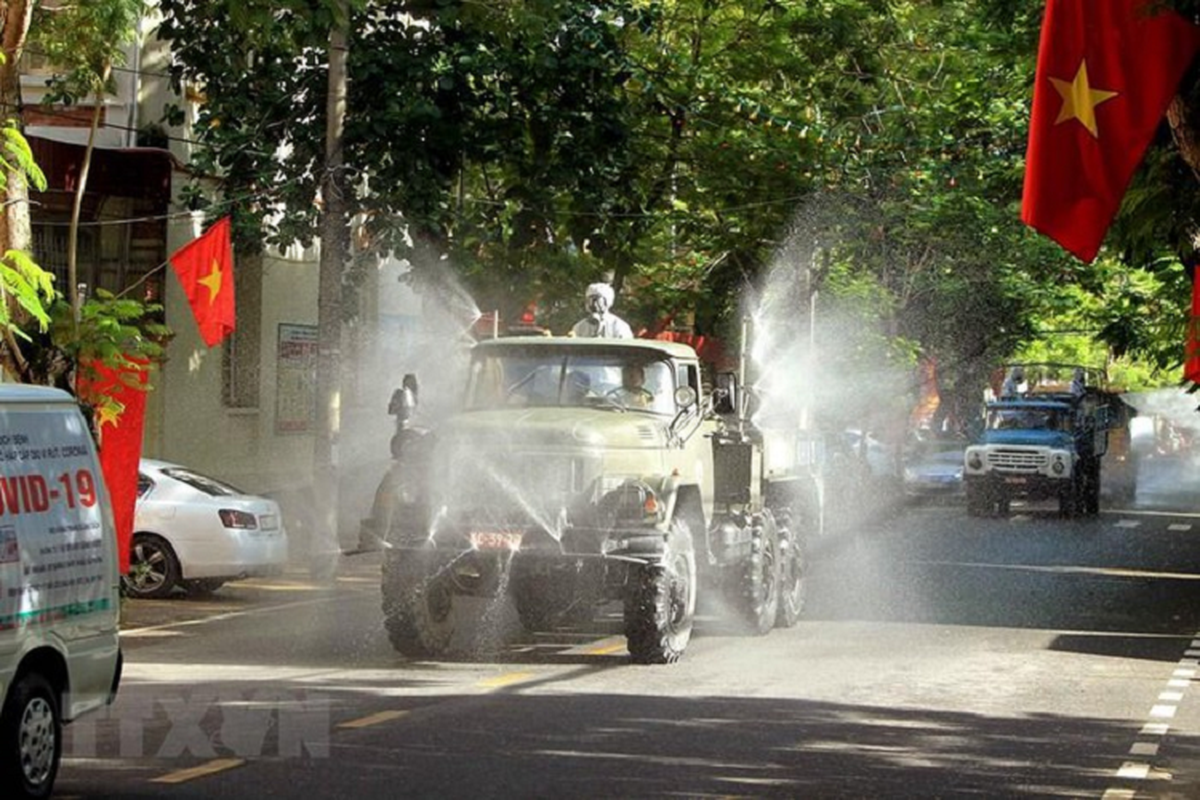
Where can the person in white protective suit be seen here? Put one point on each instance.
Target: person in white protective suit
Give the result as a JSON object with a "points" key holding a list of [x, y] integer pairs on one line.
{"points": [[600, 323]]}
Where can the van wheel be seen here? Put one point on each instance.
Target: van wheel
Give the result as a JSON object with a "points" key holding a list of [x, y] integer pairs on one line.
{"points": [[30, 738], [153, 568]]}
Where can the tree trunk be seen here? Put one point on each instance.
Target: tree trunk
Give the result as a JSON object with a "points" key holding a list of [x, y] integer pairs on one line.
{"points": [[73, 293], [15, 230], [326, 545]]}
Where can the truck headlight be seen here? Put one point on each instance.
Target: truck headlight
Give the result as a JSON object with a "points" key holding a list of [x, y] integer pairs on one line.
{"points": [[975, 460], [1060, 463]]}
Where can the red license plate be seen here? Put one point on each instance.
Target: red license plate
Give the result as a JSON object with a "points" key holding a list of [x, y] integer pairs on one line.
{"points": [[496, 540]]}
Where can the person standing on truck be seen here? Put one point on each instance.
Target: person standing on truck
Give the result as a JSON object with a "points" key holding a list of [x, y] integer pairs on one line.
{"points": [[1014, 384], [1078, 382], [600, 323]]}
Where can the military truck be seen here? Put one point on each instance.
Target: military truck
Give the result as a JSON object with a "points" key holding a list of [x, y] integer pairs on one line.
{"points": [[560, 484], [1043, 439]]}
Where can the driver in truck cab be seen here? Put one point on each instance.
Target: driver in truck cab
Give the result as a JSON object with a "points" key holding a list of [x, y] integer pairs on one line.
{"points": [[633, 391]]}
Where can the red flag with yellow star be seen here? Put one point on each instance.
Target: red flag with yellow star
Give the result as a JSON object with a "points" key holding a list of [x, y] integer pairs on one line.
{"points": [[1106, 71], [205, 270], [118, 398]]}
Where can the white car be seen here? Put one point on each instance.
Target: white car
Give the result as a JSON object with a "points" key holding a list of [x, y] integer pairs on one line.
{"points": [[197, 533]]}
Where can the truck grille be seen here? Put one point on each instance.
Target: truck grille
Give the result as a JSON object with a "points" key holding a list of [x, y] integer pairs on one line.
{"points": [[1017, 460], [513, 486]]}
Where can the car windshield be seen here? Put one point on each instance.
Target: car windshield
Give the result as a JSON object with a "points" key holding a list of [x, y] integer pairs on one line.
{"points": [[1028, 419], [202, 483], [594, 379]]}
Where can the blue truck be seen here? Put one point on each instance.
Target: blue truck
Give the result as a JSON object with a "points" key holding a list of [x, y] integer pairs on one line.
{"points": [[1043, 440]]}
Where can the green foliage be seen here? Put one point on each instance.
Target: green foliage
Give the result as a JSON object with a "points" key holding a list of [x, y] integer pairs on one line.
{"points": [[27, 285], [117, 332], [685, 147], [84, 40]]}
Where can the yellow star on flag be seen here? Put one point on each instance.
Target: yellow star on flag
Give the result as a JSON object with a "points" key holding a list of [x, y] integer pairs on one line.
{"points": [[213, 281], [109, 414], [1080, 99]]}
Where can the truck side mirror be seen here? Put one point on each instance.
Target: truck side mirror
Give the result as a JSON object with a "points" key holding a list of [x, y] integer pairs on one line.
{"points": [[404, 400], [725, 396]]}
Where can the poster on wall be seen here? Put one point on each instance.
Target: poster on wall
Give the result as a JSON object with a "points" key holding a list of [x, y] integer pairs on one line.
{"points": [[296, 379]]}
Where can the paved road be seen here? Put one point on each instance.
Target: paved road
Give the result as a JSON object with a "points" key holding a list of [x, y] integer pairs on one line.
{"points": [[942, 656]]}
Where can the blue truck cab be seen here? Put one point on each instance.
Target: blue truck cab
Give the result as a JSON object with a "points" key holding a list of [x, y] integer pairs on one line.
{"points": [[1038, 447]]}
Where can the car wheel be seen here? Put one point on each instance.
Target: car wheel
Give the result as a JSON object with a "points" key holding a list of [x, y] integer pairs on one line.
{"points": [[153, 568], [30, 738]]}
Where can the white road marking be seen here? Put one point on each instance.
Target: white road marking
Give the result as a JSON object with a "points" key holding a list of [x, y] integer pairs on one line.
{"points": [[1128, 523], [1171, 697], [1163, 712], [1155, 729], [1144, 749], [1179, 526], [1134, 770]]}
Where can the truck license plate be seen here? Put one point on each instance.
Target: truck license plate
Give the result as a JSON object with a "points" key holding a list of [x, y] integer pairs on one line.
{"points": [[1017, 481], [496, 540]]}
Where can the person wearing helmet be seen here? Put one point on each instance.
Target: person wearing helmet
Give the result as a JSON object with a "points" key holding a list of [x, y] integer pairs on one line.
{"points": [[600, 323]]}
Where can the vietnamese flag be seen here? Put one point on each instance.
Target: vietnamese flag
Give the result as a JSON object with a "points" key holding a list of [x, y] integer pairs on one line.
{"points": [[120, 435], [205, 270], [1191, 353], [1106, 71]]}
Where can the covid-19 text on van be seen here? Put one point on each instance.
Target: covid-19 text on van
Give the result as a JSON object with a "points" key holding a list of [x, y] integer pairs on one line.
{"points": [[59, 583]]}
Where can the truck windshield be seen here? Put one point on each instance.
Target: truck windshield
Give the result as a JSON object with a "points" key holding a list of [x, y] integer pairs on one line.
{"points": [[613, 380], [1028, 419]]}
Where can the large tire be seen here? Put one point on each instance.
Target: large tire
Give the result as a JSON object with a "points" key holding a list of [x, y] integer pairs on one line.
{"points": [[793, 578], [1069, 504], [660, 602], [418, 607], [30, 738], [1092, 493], [979, 501], [153, 568], [756, 591]]}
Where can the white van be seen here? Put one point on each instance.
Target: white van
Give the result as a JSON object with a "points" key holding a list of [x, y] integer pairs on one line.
{"points": [[59, 583]]}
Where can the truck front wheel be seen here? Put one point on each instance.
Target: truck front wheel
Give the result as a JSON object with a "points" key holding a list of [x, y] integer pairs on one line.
{"points": [[979, 500], [660, 601], [418, 607]]}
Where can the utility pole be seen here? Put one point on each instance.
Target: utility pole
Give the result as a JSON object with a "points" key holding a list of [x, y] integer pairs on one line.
{"points": [[325, 545]]}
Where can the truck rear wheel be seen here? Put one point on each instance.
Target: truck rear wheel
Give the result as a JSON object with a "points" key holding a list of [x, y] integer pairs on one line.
{"points": [[793, 578], [660, 602], [756, 590], [418, 607]]}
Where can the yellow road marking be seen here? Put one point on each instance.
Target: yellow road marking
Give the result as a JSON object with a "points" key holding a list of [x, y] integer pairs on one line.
{"points": [[607, 649], [505, 680], [374, 719], [214, 766]]}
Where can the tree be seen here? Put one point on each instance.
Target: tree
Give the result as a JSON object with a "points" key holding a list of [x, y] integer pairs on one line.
{"points": [[84, 40]]}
